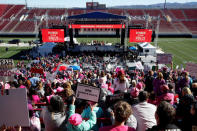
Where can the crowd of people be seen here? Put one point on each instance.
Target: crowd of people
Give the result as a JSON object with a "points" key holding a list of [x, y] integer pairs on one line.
{"points": [[160, 100]]}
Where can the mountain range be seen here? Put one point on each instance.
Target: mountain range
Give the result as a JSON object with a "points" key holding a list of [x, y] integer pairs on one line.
{"points": [[159, 6]]}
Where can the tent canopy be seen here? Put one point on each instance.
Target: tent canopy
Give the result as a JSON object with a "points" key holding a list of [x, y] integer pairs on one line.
{"points": [[146, 45]]}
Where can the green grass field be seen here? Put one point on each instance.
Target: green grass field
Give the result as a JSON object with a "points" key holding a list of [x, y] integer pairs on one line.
{"points": [[183, 49]]}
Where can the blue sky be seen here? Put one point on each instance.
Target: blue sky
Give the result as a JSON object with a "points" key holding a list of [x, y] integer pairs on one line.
{"points": [[81, 3]]}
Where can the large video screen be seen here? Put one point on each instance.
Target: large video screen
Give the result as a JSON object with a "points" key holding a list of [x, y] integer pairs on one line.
{"points": [[140, 35], [53, 35]]}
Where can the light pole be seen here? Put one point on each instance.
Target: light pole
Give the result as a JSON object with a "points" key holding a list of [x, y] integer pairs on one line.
{"points": [[165, 5]]}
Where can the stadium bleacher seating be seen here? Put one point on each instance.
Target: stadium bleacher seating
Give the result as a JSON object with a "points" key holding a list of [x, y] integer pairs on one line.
{"points": [[191, 25], [116, 11], [56, 12], [3, 24], [191, 13], [16, 18], [135, 12], [178, 14], [4, 8], [13, 11], [153, 12], [10, 26], [25, 26]]}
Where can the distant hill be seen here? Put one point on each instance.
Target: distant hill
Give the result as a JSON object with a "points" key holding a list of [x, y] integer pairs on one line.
{"points": [[160, 5]]}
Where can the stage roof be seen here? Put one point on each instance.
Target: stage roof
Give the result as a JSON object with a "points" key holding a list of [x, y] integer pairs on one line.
{"points": [[97, 15]]}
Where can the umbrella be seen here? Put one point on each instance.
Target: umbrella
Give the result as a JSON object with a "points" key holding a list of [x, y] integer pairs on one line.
{"points": [[132, 48], [75, 67]]}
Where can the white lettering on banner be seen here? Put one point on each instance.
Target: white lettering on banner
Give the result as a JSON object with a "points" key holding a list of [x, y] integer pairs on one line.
{"points": [[88, 93]]}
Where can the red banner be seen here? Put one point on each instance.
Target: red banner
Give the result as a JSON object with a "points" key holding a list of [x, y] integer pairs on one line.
{"points": [[52, 35], [35, 70], [96, 26], [140, 35]]}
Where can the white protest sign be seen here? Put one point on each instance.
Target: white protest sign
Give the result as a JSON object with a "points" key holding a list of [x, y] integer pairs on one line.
{"points": [[164, 58], [139, 65], [14, 108], [88, 93], [192, 69], [6, 74]]}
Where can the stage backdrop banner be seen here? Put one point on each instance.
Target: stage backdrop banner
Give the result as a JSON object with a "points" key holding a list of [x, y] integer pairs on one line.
{"points": [[53, 35], [164, 58], [192, 69], [140, 35], [14, 108], [96, 26], [89, 93]]}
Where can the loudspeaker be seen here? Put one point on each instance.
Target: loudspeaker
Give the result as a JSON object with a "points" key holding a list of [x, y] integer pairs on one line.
{"points": [[71, 37], [122, 36]]}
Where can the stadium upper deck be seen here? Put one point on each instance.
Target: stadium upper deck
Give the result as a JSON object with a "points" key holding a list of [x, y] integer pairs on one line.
{"points": [[18, 19]]}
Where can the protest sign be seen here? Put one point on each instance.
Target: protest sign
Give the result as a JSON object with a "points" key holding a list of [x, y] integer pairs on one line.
{"points": [[14, 109], [116, 97], [164, 58], [36, 70], [88, 93], [192, 69], [6, 73]]}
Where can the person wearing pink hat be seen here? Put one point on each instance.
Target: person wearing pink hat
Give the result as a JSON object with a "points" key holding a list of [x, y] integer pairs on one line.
{"points": [[166, 96], [121, 83], [75, 121]]}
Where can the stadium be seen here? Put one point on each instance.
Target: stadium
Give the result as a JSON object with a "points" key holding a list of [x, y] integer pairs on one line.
{"points": [[98, 67]]}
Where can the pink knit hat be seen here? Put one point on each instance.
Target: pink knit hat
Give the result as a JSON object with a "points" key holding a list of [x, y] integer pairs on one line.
{"points": [[75, 119], [22, 86], [135, 92], [139, 86], [60, 89]]}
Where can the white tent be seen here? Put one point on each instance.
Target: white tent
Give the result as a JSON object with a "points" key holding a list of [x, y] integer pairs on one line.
{"points": [[146, 49]]}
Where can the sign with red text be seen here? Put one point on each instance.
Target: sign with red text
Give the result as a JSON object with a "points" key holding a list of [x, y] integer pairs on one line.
{"points": [[140, 35], [89, 93], [164, 58], [192, 69], [53, 35], [96, 26]]}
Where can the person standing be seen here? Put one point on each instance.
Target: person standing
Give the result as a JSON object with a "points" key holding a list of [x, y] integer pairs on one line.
{"points": [[144, 112]]}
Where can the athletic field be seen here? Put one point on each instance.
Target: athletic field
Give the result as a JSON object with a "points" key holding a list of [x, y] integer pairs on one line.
{"points": [[183, 49]]}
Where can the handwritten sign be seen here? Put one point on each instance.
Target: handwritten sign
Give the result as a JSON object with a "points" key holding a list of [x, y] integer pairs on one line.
{"points": [[116, 97], [14, 109], [192, 69], [88, 93], [6, 73], [6, 63], [164, 58]]}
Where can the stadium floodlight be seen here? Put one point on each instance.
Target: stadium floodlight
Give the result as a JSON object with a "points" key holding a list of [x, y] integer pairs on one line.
{"points": [[165, 4]]}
